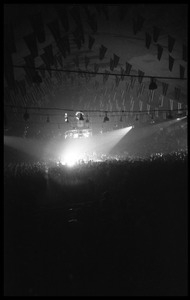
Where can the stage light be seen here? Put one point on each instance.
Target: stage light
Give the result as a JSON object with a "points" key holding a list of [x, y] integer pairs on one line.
{"points": [[153, 85], [106, 119], [47, 119], [26, 116], [136, 118], [66, 118]]}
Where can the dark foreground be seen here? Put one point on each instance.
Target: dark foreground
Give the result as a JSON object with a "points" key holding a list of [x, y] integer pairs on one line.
{"points": [[111, 228]]}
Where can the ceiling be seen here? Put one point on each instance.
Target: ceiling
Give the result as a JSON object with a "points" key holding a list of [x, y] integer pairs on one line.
{"points": [[115, 31]]}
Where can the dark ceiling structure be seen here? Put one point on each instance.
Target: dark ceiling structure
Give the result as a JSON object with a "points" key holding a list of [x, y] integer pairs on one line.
{"points": [[125, 59]]}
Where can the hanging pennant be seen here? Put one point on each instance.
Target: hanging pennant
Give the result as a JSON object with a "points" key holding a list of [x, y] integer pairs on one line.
{"points": [[128, 68], [164, 88], [102, 52], [156, 33], [148, 40], [177, 93], [182, 72], [141, 75], [159, 51], [116, 60], [171, 42], [171, 62]]}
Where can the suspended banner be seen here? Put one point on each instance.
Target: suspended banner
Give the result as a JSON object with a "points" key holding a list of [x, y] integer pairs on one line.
{"points": [[159, 51], [128, 68], [171, 62], [55, 29], [177, 93], [171, 42], [141, 75], [182, 71], [116, 60], [148, 40], [90, 42], [164, 88], [38, 27], [156, 33], [102, 52]]}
